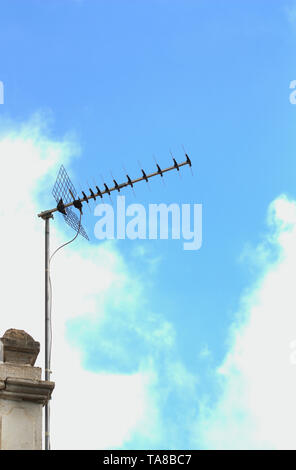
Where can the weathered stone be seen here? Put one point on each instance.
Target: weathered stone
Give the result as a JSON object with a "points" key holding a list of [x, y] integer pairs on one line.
{"points": [[21, 425], [18, 347], [22, 392]]}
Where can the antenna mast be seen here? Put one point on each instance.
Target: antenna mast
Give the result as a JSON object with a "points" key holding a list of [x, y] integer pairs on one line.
{"points": [[65, 195]]}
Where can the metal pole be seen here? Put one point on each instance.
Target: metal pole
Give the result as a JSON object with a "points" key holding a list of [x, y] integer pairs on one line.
{"points": [[47, 329]]}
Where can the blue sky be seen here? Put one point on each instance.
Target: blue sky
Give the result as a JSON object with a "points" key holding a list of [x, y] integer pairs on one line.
{"points": [[123, 81]]}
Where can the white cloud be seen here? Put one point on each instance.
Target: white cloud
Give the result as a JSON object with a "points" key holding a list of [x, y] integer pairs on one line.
{"points": [[88, 410], [100, 411], [256, 407], [257, 379]]}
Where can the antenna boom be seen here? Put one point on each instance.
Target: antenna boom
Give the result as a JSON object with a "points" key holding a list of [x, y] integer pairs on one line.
{"points": [[117, 187]]}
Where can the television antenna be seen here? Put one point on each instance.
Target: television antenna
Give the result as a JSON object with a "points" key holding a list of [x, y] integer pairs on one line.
{"points": [[66, 198]]}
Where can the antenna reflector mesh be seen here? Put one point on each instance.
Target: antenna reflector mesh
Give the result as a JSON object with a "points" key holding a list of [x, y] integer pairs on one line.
{"points": [[61, 190]]}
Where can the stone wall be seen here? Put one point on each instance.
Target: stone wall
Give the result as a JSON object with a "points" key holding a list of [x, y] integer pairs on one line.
{"points": [[22, 392]]}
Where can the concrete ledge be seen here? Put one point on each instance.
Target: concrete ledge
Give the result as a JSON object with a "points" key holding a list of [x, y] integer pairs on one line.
{"points": [[36, 391]]}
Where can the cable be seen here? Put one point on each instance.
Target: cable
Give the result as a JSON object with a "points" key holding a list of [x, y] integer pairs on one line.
{"points": [[50, 310]]}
